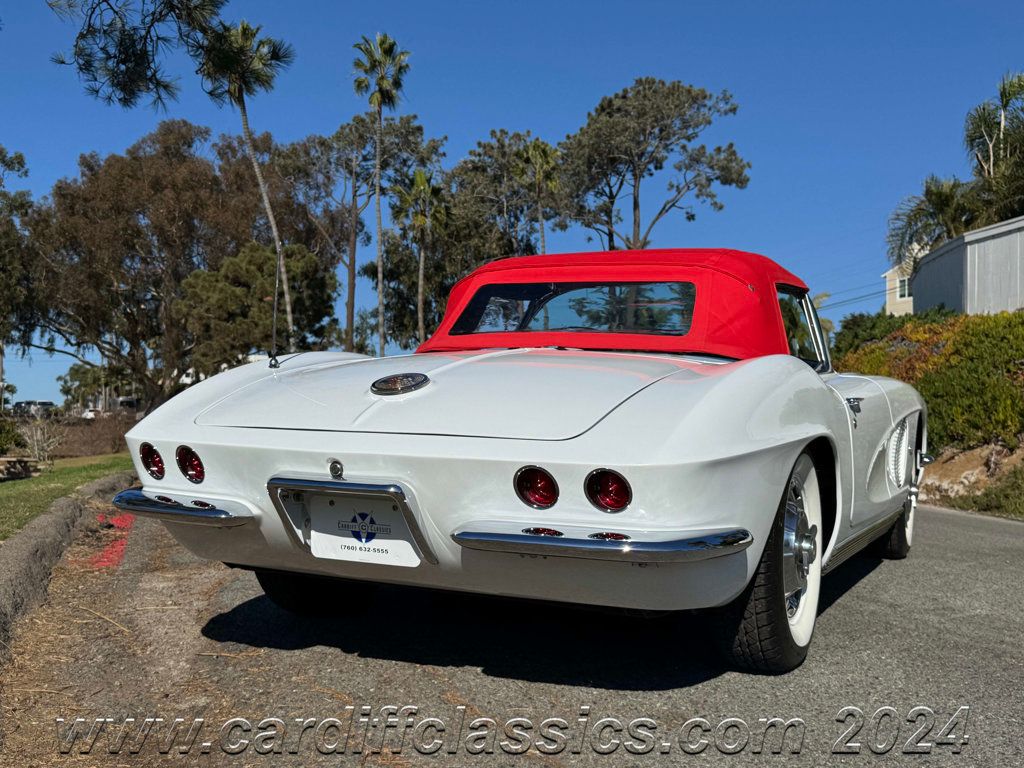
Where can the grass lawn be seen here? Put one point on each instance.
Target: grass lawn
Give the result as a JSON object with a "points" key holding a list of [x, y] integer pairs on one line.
{"points": [[22, 500]]}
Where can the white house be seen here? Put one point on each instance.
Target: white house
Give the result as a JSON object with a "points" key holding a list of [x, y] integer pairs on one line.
{"points": [[980, 272]]}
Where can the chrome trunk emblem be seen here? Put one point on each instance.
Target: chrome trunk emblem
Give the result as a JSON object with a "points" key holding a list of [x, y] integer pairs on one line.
{"points": [[399, 383]]}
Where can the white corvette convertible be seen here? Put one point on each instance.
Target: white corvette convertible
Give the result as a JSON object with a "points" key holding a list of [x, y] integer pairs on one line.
{"points": [[653, 430]]}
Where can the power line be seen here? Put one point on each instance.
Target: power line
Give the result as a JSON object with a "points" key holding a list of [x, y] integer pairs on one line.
{"points": [[855, 299]]}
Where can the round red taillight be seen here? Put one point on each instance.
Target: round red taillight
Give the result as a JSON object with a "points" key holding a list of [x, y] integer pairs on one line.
{"points": [[608, 490], [152, 461], [536, 487], [190, 464]]}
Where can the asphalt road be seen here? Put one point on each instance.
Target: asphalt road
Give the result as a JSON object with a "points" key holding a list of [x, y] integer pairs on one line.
{"points": [[136, 627]]}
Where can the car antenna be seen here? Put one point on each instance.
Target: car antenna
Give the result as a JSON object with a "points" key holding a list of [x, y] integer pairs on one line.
{"points": [[274, 362]]}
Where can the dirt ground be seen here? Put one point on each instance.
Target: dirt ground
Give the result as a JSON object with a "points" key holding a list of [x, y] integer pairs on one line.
{"points": [[955, 473], [136, 627]]}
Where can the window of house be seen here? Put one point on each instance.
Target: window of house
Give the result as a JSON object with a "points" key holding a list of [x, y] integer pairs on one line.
{"points": [[903, 291]]}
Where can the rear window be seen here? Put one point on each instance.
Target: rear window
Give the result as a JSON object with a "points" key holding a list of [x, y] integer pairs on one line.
{"points": [[613, 307]]}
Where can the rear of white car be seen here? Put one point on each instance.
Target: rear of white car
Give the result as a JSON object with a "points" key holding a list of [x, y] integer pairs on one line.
{"points": [[344, 492]]}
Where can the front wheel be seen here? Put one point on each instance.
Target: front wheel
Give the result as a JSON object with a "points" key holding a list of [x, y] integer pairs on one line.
{"points": [[768, 628]]}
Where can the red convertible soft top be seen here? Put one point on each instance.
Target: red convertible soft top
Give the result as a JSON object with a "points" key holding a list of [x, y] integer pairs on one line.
{"points": [[736, 313]]}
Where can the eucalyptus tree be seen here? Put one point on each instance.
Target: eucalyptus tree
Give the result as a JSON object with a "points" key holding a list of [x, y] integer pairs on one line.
{"points": [[490, 183], [538, 163], [237, 63], [651, 127], [111, 248], [421, 208], [14, 206], [381, 68]]}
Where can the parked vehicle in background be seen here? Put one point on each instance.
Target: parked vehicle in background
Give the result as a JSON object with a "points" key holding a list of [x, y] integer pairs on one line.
{"points": [[31, 409]]}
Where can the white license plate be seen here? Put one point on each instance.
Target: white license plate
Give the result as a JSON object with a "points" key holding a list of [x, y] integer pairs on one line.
{"points": [[363, 529]]}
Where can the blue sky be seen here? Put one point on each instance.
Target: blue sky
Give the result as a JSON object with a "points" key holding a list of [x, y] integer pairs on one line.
{"points": [[844, 107]]}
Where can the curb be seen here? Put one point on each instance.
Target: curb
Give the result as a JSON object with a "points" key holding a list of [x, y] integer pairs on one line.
{"points": [[29, 555]]}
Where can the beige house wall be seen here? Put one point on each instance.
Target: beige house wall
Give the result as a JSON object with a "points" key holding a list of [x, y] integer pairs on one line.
{"points": [[894, 305]]}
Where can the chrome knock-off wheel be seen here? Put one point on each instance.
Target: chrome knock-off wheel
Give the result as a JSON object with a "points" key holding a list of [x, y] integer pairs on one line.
{"points": [[801, 549]]}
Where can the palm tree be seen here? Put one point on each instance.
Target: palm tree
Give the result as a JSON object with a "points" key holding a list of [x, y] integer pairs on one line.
{"points": [[946, 208], [990, 128], [421, 206], [381, 69], [537, 164], [236, 63]]}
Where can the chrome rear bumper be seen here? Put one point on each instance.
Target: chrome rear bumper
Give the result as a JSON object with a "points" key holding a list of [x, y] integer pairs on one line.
{"points": [[702, 546], [137, 503]]}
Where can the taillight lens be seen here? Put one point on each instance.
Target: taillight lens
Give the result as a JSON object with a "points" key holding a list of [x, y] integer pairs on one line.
{"points": [[536, 487], [152, 461], [608, 490], [190, 464], [609, 536]]}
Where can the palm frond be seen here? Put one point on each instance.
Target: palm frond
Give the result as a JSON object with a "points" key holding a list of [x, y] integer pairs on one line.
{"points": [[384, 65]]}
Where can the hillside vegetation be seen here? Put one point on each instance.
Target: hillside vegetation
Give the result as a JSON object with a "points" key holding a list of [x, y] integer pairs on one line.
{"points": [[968, 368]]}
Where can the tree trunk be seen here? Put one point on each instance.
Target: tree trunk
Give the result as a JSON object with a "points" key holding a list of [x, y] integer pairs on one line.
{"points": [[251, 149], [540, 217], [636, 215], [421, 324], [353, 241], [3, 392], [380, 233]]}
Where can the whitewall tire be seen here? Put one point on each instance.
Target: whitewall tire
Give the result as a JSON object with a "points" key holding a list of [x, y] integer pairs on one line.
{"points": [[769, 627]]}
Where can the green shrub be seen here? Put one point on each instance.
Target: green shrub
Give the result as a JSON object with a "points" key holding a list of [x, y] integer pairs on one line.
{"points": [[860, 328], [969, 369], [9, 436]]}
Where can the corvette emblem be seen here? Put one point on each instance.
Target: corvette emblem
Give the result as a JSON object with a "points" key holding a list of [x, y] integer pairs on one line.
{"points": [[399, 383]]}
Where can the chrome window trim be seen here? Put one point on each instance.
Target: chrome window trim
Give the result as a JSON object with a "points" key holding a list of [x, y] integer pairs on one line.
{"points": [[825, 366], [390, 491]]}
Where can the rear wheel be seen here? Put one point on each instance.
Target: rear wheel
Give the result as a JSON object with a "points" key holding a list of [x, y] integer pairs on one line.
{"points": [[895, 545], [768, 628], [304, 594]]}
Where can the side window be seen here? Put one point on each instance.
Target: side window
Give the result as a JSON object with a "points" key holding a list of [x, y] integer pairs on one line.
{"points": [[799, 327]]}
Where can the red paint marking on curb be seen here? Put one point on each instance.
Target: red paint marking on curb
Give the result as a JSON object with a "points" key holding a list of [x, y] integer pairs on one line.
{"points": [[111, 556], [123, 522]]}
